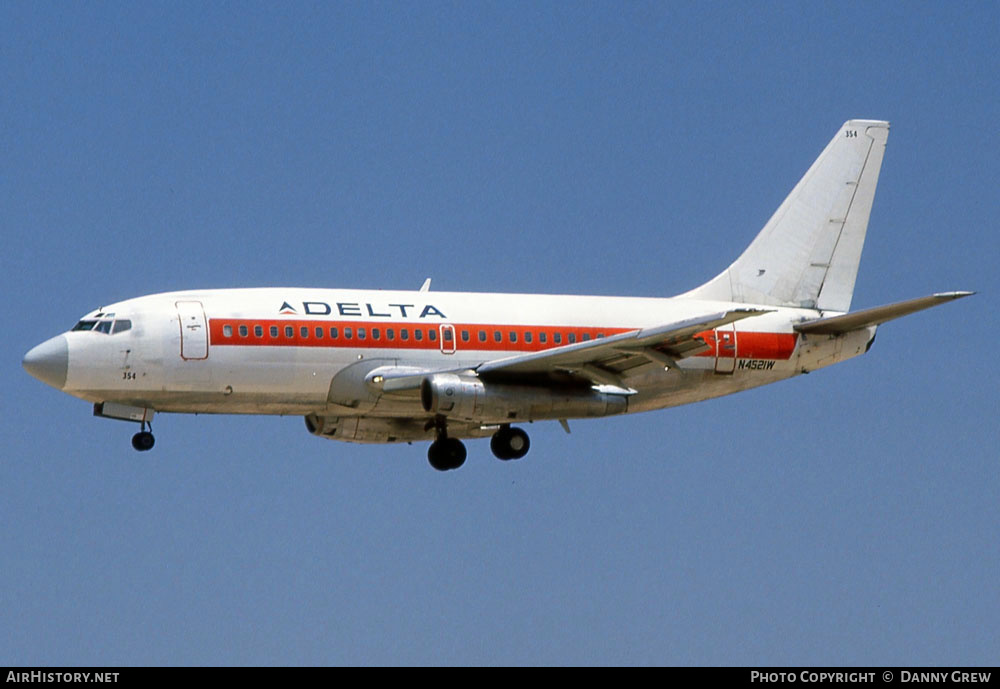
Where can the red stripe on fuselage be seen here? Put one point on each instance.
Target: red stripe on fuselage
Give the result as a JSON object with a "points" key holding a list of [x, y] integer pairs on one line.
{"points": [[754, 345], [749, 345]]}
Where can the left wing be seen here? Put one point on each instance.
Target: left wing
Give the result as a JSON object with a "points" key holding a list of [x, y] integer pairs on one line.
{"points": [[606, 360]]}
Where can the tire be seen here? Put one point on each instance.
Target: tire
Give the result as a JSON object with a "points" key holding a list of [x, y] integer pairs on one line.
{"points": [[510, 443], [498, 445], [446, 454], [143, 441]]}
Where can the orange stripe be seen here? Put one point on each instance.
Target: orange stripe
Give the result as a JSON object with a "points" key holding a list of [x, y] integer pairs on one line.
{"points": [[749, 345], [753, 345]]}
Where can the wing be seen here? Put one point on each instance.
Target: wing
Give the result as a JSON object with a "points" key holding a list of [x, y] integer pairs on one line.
{"points": [[606, 361]]}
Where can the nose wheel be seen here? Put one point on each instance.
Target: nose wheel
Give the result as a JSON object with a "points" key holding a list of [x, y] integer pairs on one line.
{"points": [[143, 440]]}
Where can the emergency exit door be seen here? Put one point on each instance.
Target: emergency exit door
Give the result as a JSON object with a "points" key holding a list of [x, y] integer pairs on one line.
{"points": [[447, 338]]}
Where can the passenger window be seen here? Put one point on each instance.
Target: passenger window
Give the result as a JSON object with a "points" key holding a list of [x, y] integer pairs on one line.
{"points": [[258, 331], [289, 331], [243, 331], [319, 332], [348, 333], [418, 334], [557, 338], [304, 332], [600, 335], [333, 333], [482, 336], [465, 336], [376, 334], [572, 338], [274, 331], [497, 337], [448, 335], [432, 335], [543, 337], [390, 333], [527, 336], [404, 334], [227, 331], [586, 336], [512, 336], [361, 333]]}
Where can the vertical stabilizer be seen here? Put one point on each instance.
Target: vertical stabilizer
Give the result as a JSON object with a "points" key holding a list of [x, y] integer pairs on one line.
{"points": [[808, 253]]}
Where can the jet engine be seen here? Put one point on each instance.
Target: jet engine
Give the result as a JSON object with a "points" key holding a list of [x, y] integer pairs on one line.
{"points": [[467, 397]]}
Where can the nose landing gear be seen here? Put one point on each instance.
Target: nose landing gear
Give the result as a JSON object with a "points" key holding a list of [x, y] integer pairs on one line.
{"points": [[143, 440]]}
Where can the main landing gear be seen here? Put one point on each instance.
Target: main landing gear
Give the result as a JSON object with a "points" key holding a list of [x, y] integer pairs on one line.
{"points": [[447, 453], [509, 443], [143, 440]]}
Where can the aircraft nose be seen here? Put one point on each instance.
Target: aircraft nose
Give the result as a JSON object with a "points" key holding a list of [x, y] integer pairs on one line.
{"points": [[49, 361]]}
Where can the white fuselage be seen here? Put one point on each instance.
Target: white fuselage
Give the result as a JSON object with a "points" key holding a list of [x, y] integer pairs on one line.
{"points": [[278, 350], [388, 366]]}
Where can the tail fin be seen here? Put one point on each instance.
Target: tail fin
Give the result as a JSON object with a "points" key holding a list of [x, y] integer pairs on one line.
{"points": [[808, 253]]}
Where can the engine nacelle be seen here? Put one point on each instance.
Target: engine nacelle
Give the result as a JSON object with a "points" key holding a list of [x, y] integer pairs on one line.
{"points": [[450, 394], [467, 397]]}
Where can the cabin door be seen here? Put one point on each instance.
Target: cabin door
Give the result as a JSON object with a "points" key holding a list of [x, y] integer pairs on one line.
{"points": [[194, 330], [725, 349]]}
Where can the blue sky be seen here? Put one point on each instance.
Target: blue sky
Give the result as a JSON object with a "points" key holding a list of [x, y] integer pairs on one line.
{"points": [[845, 517]]}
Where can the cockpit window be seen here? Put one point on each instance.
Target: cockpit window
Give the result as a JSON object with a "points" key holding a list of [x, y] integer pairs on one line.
{"points": [[104, 323]]}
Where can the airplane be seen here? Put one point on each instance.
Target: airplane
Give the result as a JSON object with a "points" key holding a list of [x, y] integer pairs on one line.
{"points": [[373, 366]]}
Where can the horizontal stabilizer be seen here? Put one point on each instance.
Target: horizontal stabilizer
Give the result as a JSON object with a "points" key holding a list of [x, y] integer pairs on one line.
{"points": [[836, 325]]}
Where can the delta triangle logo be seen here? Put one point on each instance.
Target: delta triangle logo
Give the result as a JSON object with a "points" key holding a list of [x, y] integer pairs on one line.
{"points": [[287, 308]]}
